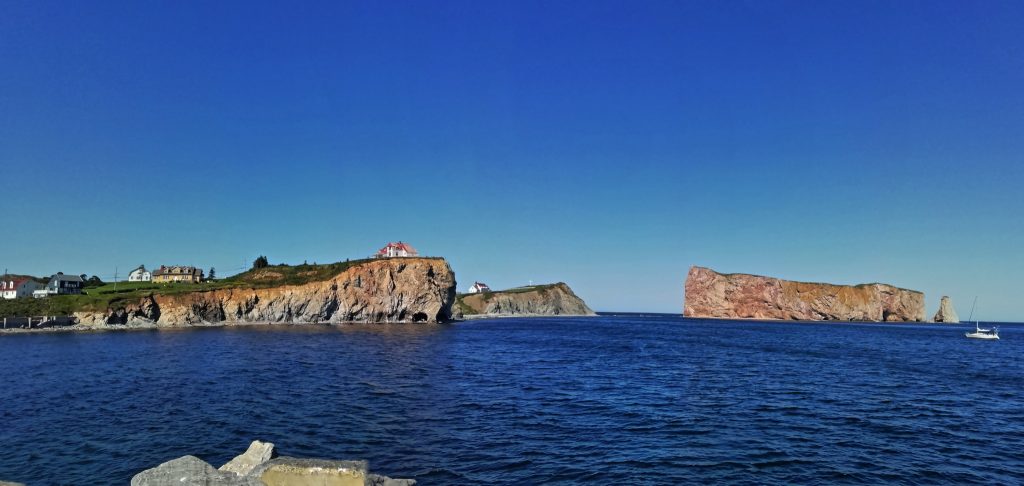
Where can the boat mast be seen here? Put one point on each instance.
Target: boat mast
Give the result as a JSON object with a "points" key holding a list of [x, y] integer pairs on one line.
{"points": [[972, 313]]}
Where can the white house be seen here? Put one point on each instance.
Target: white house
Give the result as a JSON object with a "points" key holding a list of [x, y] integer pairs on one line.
{"points": [[396, 250], [479, 287], [14, 288], [140, 275]]}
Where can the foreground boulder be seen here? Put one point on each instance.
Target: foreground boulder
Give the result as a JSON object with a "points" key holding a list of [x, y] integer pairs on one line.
{"points": [[537, 300], [946, 313], [712, 294], [255, 467], [190, 471], [258, 453]]}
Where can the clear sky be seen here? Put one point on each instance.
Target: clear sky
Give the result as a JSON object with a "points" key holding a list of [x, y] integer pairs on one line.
{"points": [[611, 145]]}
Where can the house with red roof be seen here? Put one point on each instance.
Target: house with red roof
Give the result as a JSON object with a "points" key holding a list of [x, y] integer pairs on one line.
{"points": [[14, 288], [399, 249], [479, 287]]}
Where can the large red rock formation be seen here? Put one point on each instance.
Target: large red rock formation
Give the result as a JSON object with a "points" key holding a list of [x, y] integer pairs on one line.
{"points": [[712, 294]]}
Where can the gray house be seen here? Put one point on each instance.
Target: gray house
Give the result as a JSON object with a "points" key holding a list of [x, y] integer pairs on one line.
{"points": [[61, 284]]}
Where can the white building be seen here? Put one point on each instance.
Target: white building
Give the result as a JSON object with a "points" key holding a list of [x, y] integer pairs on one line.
{"points": [[14, 288], [140, 275], [479, 287], [396, 250]]}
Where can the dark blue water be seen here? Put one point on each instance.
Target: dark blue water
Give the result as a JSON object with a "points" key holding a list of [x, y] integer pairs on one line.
{"points": [[638, 399]]}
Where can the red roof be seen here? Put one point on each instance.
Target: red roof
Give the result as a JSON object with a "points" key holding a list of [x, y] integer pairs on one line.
{"points": [[17, 283], [398, 246]]}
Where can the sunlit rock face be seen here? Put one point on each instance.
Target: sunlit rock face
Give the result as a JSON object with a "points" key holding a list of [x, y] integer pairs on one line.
{"points": [[741, 296], [380, 291], [946, 313]]}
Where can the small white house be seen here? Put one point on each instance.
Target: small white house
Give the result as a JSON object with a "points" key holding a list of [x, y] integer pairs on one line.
{"points": [[15, 288], [140, 275], [393, 250], [479, 287]]}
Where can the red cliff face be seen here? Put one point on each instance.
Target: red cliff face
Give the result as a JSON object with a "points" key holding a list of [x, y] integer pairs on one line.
{"points": [[712, 294]]}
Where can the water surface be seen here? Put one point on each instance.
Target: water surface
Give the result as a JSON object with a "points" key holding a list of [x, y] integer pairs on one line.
{"points": [[648, 399]]}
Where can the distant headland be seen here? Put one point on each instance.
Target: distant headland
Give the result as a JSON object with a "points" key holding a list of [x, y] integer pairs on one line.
{"points": [[534, 300]]}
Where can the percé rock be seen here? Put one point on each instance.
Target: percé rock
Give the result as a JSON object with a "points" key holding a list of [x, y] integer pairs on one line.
{"points": [[281, 471], [712, 294], [946, 312], [538, 300], [384, 290]]}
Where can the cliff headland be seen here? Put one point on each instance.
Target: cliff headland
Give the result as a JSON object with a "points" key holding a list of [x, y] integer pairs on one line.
{"points": [[712, 294], [536, 300], [380, 290]]}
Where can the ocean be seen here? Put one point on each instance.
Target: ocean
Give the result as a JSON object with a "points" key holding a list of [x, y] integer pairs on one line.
{"points": [[620, 398]]}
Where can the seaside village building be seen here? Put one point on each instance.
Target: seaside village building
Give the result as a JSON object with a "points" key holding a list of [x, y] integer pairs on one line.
{"points": [[16, 288], [479, 287], [140, 275], [177, 273], [399, 249], [61, 284]]}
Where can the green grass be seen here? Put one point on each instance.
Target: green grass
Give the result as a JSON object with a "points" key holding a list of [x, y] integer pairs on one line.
{"points": [[57, 305], [465, 308], [102, 297]]}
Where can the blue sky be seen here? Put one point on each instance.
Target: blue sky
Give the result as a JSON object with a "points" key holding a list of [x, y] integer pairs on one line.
{"points": [[607, 144]]}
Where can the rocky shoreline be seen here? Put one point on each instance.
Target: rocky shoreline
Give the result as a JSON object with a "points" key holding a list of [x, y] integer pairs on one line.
{"points": [[260, 465]]}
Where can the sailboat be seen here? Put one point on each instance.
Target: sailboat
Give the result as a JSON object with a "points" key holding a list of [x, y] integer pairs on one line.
{"points": [[980, 333]]}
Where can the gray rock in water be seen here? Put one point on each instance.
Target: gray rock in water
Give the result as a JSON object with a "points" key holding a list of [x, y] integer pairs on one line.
{"points": [[190, 471], [375, 480], [8, 483], [946, 312], [258, 453]]}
